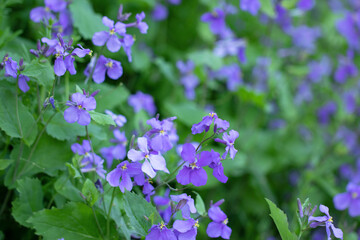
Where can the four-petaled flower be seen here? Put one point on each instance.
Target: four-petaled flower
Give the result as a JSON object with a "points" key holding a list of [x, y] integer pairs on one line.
{"points": [[186, 229], [106, 65], [159, 232], [78, 109], [350, 199], [121, 175], [160, 139], [153, 161], [326, 221], [218, 227], [205, 123], [229, 141]]}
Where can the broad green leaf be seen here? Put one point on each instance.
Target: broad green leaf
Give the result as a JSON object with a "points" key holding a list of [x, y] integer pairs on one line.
{"points": [[41, 71], [102, 119], [268, 7], [4, 163], [280, 221], [138, 210], [9, 121], [30, 200], [65, 188], [85, 19], [166, 69], [73, 171], [199, 204], [74, 221], [60, 129], [206, 57], [110, 96], [90, 192], [250, 96], [188, 112], [289, 4]]}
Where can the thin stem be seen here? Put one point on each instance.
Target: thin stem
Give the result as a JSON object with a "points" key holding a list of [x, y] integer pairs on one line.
{"points": [[93, 69], [7, 197], [108, 215], [67, 86], [88, 137], [17, 109], [97, 223], [38, 98]]}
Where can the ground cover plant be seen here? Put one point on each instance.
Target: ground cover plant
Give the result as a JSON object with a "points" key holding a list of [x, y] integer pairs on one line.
{"points": [[177, 119]]}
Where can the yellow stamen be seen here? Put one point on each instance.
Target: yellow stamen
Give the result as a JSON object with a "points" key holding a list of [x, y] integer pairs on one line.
{"points": [[57, 55], [109, 64], [197, 224], [147, 156], [112, 31], [193, 165], [330, 220], [162, 225], [150, 180], [47, 9], [60, 29], [211, 114], [90, 53], [6, 59], [162, 131], [354, 195], [124, 167], [80, 107], [226, 221]]}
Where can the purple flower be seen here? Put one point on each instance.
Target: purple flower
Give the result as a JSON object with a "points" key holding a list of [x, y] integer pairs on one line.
{"points": [[160, 232], [12, 70], [142, 26], [304, 93], [188, 207], [188, 79], [306, 5], [112, 68], [127, 41], [115, 152], [109, 37], [44, 13], [121, 175], [216, 165], [78, 109], [193, 172], [205, 123], [186, 229], [304, 37], [175, 2], [233, 75], [318, 70], [148, 189], [144, 101], [326, 221], [349, 99], [260, 74], [160, 12], [251, 6], [346, 68], [160, 140], [350, 199], [325, 112], [119, 120], [163, 205], [218, 227], [231, 47], [48, 101], [152, 161], [349, 29], [65, 24], [282, 17], [216, 20], [229, 141]]}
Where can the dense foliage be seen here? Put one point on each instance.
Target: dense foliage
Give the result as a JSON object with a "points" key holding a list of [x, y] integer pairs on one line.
{"points": [[177, 119]]}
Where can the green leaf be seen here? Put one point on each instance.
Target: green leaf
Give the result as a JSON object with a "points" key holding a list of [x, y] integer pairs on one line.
{"points": [[30, 200], [85, 19], [73, 171], [4, 163], [109, 96], [267, 7], [280, 221], [166, 69], [289, 4], [74, 221], [78, 89], [187, 112], [9, 121], [102, 119], [250, 96], [65, 188], [62, 130], [199, 205], [42, 72], [206, 57], [90, 192], [138, 210]]}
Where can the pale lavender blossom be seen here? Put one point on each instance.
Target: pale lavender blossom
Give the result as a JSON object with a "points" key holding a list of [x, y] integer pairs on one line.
{"points": [[229, 141]]}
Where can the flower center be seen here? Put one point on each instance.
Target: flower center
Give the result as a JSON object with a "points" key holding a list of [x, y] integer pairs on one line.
{"points": [[147, 156], [60, 29], [225, 221], [80, 106], [57, 55], [47, 9], [162, 225], [109, 64], [124, 167], [215, 14], [212, 114], [354, 195], [162, 132], [197, 224], [330, 220], [112, 31], [6, 59], [90, 53], [150, 180], [193, 165]]}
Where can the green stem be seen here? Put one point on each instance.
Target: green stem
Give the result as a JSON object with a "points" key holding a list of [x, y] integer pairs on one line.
{"points": [[67, 86], [97, 223], [17, 109], [88, 137], [7, 197], [108, 215]]}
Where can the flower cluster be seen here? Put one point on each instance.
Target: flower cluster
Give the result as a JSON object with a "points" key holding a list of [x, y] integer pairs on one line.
{"points": [[13, 70]]}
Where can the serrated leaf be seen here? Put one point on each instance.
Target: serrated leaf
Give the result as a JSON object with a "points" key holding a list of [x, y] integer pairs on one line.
{"points": [[4, 163], [138, 209], [199, 205], [60, 129], [30, 200], [9, 120], [85, 19], [268, 7], [74, 221], [281, 222], [42, 72], [102, 119], [90, 192]]}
